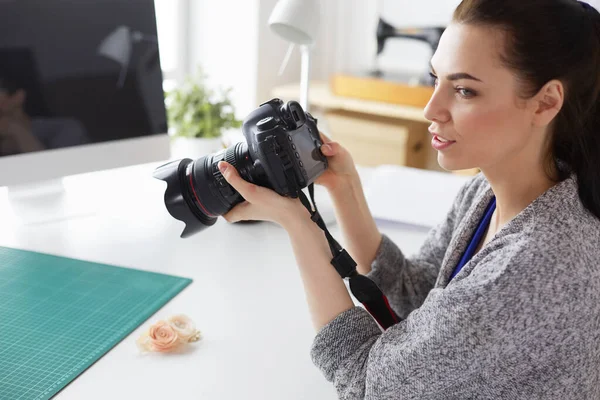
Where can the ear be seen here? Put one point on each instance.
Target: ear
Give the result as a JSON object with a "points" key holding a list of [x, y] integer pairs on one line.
{"points": [[548, 103]]}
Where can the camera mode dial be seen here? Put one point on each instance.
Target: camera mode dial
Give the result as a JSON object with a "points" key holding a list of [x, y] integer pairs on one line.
{"points": [[266, 124]]}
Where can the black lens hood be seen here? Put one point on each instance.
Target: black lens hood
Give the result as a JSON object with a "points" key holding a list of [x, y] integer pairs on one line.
{"points": [[178, 202]]}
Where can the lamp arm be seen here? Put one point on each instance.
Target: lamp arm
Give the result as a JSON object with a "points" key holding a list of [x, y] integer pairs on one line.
{"points": [[305, 76], [286, 59]]}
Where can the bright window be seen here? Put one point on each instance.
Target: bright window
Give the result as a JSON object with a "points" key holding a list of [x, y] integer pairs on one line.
{"points": [[172, 24]]}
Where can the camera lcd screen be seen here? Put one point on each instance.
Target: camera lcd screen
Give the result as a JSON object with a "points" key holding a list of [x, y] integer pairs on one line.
{"points": [[309, 155]]}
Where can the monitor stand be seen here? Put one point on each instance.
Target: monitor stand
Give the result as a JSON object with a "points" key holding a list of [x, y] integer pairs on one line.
{"points": [[47, 201]]}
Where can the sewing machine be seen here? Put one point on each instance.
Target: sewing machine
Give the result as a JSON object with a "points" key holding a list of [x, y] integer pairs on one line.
{"points": [[385, 32], [391, 86]]}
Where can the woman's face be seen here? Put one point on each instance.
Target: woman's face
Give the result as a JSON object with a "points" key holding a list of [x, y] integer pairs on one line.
{"points": [[475, 103]]}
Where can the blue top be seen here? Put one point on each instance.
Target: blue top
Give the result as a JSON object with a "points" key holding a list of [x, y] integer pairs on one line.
{"points": [[477, 237]]}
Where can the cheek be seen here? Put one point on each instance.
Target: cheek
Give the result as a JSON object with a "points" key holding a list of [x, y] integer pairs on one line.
{"points": [[489, 129]]}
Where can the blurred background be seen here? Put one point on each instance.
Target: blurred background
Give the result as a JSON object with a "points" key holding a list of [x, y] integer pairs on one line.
{"points": [[148, 80], [232, 41]]}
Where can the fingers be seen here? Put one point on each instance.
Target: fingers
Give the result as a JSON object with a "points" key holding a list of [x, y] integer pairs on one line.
{"points": [[246, 189], [329, 147], [238, 213]]}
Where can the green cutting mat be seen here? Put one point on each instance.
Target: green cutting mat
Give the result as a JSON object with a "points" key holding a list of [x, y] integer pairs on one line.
{"points": [[59, 315]]}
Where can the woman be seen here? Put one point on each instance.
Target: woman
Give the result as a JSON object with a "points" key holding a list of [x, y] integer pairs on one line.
{"points": [[503, 298]]}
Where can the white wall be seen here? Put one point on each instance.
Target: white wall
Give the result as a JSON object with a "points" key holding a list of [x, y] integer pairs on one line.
{"points": [[224, 42], [270, 53]]}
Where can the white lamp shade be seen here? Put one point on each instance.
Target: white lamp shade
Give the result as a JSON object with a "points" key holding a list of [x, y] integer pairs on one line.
{"points": [[117, 45], [296, 21]]}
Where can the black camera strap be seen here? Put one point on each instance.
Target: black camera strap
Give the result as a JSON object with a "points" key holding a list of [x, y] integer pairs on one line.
{"points": [[363, 289]]}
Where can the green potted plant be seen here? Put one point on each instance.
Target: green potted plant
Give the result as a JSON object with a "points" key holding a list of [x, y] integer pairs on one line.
{"points": [[198, 116]]}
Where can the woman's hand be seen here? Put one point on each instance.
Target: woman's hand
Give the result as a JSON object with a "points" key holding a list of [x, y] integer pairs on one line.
{"points": [[341, 168], [262, 204]]}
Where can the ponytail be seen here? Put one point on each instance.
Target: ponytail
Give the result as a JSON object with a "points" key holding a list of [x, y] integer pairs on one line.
{"points": [[579, 153], [577, 142]]}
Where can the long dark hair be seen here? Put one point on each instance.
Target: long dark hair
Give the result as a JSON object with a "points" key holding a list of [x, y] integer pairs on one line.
{"points": [[554, 39]]}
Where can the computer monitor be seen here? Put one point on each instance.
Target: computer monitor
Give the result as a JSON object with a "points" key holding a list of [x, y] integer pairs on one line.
{"points": [[80, 88]]}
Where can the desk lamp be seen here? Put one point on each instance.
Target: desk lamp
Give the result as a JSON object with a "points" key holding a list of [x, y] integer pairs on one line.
{"points": [[118, 45], [297, 21]]}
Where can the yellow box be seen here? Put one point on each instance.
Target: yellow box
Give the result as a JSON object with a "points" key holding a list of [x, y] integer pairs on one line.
{"points": [[381, 90]]}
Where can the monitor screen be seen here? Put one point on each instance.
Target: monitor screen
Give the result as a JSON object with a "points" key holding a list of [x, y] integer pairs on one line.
{"points": [[76, 72]]}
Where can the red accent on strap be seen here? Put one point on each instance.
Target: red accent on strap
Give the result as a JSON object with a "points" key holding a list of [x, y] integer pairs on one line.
{"points": [[393, 314], [198, 200], [390, 309]]}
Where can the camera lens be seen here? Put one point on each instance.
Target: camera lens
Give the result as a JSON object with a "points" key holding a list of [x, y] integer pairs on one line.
{"points": [[197, 193], [208, 189]]}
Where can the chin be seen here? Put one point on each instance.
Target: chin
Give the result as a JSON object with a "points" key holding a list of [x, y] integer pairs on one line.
{"points": [[454, 164]]}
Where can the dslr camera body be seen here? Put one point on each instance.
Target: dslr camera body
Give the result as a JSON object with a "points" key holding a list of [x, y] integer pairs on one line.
{"points": [[281, 152]]}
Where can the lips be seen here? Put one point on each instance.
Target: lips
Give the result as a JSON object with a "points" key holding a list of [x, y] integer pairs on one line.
{"points": [[441, 138]]}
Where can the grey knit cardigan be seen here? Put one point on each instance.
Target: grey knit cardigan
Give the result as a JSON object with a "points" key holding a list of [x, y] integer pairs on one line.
{"points": [[520, 321]]}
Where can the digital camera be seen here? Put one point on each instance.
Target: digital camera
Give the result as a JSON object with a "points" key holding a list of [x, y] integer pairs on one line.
{"points": [[281, 152]]}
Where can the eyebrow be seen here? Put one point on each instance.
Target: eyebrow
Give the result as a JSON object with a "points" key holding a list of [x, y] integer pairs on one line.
{"points": [[457, 76]]}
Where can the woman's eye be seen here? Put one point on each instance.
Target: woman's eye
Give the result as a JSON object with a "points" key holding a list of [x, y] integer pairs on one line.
{"points": [[466, 93], [434, 77]]}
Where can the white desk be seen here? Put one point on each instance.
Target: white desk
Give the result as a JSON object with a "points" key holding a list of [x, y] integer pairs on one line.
{"points": [[249, 350]]}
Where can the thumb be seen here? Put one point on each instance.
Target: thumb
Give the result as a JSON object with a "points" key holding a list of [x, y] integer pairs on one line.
{"points": [[324, 137], [330, 149]]}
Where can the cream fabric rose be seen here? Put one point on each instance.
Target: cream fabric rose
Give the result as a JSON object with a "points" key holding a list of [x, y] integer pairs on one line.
{"points": [[143, 343], [185, 328], [165, 336], [162, 337]]}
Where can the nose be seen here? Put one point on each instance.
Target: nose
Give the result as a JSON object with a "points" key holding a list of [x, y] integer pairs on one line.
{"points": [[436, 109]]}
